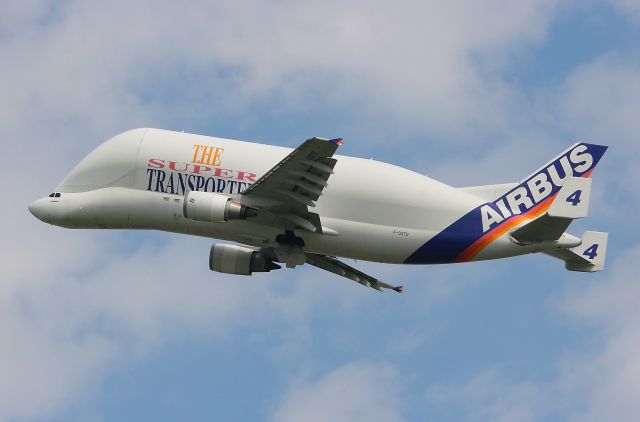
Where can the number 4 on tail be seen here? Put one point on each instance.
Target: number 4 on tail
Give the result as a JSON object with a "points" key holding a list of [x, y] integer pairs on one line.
{"points": [[574, 198], [591, 251]]}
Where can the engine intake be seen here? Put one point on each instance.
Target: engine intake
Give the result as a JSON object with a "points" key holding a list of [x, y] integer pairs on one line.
{"points": [[240, 260], [214, 208]]}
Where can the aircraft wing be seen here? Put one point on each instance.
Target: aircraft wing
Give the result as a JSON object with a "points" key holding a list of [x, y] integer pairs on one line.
{"points": [[294, 184], [336, 266]]}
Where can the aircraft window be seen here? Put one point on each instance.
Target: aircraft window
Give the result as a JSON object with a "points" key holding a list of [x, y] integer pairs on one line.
{"points": [[51, 195], [57, 195]]}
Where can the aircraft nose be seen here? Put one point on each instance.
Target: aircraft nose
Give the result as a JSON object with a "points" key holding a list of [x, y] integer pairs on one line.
{"points": [[39, 210]]}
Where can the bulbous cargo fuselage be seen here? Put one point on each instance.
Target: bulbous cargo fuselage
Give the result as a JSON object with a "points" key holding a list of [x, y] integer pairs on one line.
{"points": [[372, 210], [138, 179]]}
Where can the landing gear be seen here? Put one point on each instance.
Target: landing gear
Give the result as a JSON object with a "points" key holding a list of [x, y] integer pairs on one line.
{"points": [[290, 249]]}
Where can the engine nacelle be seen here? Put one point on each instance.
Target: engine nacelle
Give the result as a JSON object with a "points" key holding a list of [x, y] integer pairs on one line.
{"points": [[214, 208], [240, 260]]}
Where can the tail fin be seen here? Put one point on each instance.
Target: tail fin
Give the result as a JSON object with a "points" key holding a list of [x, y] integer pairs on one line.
{"points": [[578, 160], [533, 196], [588, 257], [509, 206], [563, 188]]}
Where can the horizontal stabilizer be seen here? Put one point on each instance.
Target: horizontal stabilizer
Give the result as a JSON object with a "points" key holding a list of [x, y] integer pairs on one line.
{"points": [[542, 229], [588, 257], [571, 202]]}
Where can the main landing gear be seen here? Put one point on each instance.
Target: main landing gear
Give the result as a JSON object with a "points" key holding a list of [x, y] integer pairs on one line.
{"points": [[290, 249]]}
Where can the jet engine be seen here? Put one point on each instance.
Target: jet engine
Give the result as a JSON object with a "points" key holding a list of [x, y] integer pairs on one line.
{"points": [[214, 207], [240, 260]]}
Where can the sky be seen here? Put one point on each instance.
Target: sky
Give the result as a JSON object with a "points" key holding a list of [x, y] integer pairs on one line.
{"points": [[131, 325]]}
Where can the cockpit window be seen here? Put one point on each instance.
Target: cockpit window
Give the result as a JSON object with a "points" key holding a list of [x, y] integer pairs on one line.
{"points": [[55, 195], [51, 195]]}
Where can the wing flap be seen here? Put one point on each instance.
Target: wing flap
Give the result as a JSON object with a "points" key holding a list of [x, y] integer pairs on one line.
{"points": [[331, 264], [294, 184]]}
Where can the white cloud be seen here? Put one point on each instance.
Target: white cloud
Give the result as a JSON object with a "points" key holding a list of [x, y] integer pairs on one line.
{"points": [[423, 66], [67, 327], [73, 73], [608, 380], [597, 381], [356, 391], [488, 395], [600, 98], [598, 102]]}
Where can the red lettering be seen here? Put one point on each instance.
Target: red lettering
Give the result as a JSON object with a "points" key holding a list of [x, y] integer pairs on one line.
{"points": [[172, 166], [242, 175], [155, 163], [227, 173]]}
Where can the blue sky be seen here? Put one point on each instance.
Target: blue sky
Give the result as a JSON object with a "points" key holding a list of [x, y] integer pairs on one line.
{"points": [[114, 325]]}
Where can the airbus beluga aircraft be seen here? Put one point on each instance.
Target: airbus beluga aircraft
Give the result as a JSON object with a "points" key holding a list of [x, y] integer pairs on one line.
{"points": [[309, 205]]}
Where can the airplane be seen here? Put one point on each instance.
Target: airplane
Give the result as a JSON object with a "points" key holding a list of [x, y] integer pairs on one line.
{"points": [[309, 205]]}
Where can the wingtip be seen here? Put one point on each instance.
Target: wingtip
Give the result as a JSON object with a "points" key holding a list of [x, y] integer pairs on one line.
{"points": [[399, 289], [337, 141]]}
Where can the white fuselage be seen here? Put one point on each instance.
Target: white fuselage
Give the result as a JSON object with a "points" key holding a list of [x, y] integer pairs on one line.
{"points": [[374, 211]]}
